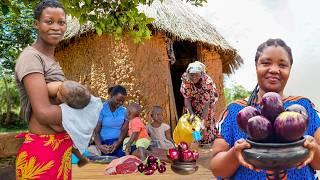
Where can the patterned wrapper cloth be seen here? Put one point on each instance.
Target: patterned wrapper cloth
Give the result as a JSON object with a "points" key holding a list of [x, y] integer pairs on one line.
{"points": [[44, 157]]}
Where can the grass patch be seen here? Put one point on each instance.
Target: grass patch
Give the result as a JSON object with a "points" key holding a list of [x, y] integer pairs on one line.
{"points": [[2, 130], [15, 124]]}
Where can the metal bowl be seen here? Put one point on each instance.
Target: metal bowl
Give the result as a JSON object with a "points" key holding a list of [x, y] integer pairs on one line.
{"points": [[275, 156], [184, 168], [101, 159]]}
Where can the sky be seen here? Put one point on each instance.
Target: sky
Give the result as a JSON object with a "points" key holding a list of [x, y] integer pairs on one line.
{"points": [[247, 23]]}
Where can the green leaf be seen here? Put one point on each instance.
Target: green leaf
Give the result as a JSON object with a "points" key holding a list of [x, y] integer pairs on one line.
{"points": [[82, 19], [119, 30], [147, 33], [139, 33], [150, 20], [5, 9], [16, 10], [99, 31], [123, 19], [102, 25], [88, 2]]}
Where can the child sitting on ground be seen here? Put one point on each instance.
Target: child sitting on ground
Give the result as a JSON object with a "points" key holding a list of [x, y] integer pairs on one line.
{"points": [[74, 95], [138, 134], [159, 132]]}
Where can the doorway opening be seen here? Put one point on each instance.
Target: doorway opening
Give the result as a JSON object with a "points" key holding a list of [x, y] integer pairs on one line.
{"points": [[185, 52]]}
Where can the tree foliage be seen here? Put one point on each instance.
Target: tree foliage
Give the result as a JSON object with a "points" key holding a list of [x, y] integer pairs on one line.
{"points": [[235, 92], [16, 32], [107, 16], [9, 97]]}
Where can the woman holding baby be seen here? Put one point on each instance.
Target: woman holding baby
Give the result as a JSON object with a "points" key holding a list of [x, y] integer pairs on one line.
{"points": [[44, 150]]}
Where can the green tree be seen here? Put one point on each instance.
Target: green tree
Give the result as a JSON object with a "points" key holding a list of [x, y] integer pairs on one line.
{"points": [[9, 96], [16, 32], [235, 92], [109, 16]]}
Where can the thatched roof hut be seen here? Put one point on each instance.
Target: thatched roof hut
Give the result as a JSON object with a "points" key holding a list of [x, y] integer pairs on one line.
{"points": [[151, 71]]}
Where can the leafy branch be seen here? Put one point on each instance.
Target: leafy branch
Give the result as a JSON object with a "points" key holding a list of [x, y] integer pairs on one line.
{"points": [[107, 16]]}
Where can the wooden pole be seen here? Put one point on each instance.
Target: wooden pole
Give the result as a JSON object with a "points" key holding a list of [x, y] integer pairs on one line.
{"points": [[172, 103]]}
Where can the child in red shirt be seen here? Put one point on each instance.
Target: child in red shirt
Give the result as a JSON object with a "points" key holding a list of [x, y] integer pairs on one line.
{"points": [[138, 134]]}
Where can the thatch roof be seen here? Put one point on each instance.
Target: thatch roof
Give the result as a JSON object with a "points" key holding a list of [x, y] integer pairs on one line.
{"points": [[178, 21]]}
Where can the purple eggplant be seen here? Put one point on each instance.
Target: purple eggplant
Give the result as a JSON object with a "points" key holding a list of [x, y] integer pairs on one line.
{"points": [[244, 115], [259, 128], [290, 126], [271, 106], [299, 109]]}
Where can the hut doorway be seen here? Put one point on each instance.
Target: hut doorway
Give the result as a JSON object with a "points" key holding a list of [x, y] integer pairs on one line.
{"points": [[185, 52]]}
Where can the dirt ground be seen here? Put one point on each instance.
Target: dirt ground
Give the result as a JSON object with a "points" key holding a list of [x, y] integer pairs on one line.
{"points": [[7, 168], [9, 145], [8, 149]]}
